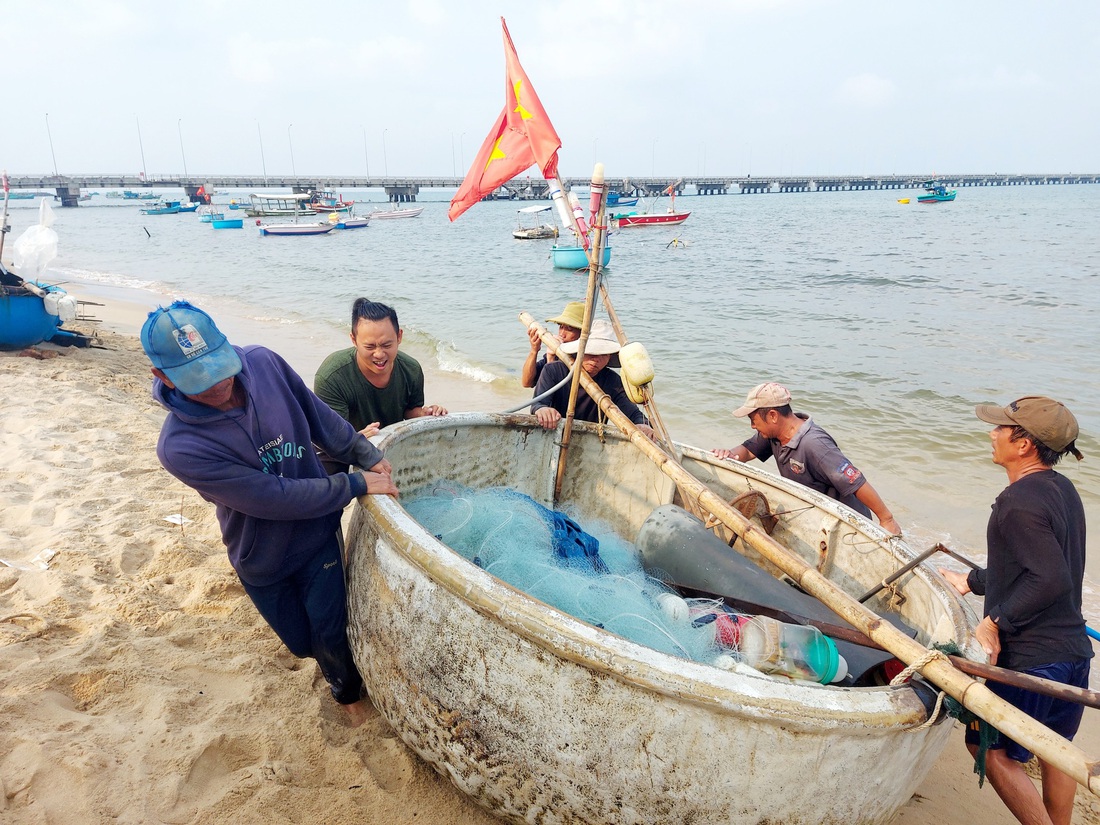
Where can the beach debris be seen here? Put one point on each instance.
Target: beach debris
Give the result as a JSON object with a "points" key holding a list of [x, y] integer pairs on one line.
{"points": [[40, 562], [177, 518], [38, 354]]}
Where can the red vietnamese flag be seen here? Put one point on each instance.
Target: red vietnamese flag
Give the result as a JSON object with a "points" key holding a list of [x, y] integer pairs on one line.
{"points": [[522, 137]]}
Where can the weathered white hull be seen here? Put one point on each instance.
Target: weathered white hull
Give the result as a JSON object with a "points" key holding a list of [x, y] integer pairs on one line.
{"points": [[543, 718]]}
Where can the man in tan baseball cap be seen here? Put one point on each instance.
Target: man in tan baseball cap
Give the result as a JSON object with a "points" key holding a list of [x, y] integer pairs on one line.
{"points": [[1033, 589], [804, 453], [1051, 424]]}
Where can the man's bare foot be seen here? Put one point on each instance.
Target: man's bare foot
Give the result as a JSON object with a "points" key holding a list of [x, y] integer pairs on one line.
{"points": [[358, 712]]}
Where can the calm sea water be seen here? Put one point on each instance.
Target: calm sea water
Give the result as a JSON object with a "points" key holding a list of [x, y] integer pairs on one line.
{"points": [[888, 322]]}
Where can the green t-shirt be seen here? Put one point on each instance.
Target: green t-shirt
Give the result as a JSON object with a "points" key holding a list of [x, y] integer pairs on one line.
{"points": [[341, 385]]}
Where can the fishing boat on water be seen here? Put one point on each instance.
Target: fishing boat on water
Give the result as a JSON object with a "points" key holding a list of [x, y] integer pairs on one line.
{"points": [[575, 257], [531, 229], [162, 208], [671, 217], [936, 192], [619, 199], [353, 222], [321, 201], [284, 229], [395, 213], [278, 206], [629, 219]]}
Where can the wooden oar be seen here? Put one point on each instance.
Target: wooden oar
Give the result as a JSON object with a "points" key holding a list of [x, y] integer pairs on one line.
{"points": [[975, 697]]}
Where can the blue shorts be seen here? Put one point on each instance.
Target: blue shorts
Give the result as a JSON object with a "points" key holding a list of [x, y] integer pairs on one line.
{"points": [[1060, 716]]}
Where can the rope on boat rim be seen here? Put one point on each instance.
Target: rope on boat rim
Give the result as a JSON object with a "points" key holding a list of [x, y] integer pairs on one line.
{"points": [[930, 655]]}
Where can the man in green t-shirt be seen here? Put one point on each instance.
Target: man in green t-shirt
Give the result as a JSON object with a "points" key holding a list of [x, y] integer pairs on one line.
{"points": [[372, 385]]}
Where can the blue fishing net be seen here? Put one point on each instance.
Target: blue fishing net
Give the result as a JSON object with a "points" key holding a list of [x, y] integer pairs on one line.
{"points": [[589, 573]]}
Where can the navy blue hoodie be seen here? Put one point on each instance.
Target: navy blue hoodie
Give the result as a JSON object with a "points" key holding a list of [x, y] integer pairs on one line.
{"points": [[276, 505]]}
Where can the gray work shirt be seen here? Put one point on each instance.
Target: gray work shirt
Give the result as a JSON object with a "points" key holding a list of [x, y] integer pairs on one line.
{"points": [[812, 458]]}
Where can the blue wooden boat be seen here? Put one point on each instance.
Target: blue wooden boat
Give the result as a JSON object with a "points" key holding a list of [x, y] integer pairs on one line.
{"points": [[574, 257], [25, 316], [618, 199], [188, 207], [162, 208], [221, 222], [936, 192]]}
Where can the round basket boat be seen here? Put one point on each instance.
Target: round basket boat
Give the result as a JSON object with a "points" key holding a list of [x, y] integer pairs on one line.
{"points": [[541, 717]]}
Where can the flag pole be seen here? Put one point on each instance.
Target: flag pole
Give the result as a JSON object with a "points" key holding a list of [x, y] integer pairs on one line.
{"points": [[4, 220], [594, 276]]}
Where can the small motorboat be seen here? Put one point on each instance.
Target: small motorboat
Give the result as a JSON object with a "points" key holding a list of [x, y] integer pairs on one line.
{"points": [[328, 202], [222, 222], [936, 192], [320, 228], [648, 218], [388, 214], [353, 222], [645, 219], [534, 231], [162, 208], [575, 257]]}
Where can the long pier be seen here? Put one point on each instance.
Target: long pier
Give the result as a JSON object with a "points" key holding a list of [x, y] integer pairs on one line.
{"points": [[405, 189]]}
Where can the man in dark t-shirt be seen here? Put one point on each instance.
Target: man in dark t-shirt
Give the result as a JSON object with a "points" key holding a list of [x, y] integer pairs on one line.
{"points": [[1035, 544], [372, 384]]}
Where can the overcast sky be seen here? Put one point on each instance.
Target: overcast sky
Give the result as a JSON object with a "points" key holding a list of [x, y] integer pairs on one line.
{"points": [[687, 87]]}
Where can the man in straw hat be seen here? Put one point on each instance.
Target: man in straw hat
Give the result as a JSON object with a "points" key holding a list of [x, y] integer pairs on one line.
{"points": [[601, 347], [1035, 551], [569, 329], [804, 452], [240, 431]]}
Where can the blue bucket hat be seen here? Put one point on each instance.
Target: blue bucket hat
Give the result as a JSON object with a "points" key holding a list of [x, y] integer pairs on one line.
{"points": [[185, 344]]}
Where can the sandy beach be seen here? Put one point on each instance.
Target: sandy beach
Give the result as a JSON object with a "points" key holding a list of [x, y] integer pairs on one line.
{"points": [[141, 686]]}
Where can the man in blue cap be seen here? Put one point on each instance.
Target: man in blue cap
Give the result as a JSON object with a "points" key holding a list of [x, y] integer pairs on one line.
{"points": [[240, 431]]}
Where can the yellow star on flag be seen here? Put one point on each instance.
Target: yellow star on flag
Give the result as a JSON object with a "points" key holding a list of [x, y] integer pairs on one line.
{"points": [[523, 113], [496, 154]]}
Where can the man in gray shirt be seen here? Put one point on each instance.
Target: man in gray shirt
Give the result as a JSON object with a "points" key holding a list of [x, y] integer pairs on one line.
{"points": [[804, 453]]}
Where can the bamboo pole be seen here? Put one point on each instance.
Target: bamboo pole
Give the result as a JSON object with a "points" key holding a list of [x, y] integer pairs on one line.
{"points": [[574, 386], [974, 696]]}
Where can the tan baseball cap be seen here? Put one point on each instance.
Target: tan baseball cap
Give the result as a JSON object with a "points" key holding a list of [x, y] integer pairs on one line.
{"points": [[1046, 419], [571, 316], [764, 396]]}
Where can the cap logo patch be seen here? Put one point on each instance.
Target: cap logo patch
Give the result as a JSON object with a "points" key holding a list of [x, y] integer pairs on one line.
{"points": [[190, 342], [1014, 407]]}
